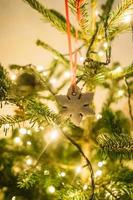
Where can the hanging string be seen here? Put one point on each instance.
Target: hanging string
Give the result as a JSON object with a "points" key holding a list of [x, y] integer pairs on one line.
{"points": [[73, 66]]}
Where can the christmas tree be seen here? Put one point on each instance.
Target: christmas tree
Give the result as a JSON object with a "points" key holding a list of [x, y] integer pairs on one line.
{"points": [[55, 146]]}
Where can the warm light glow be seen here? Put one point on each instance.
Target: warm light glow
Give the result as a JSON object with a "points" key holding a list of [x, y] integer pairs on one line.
{"points": [[78, 169], [105, 45], [53, 135], [7, 126], [53, 81], [40, 68], [29, 161], [127, 19], [98, 116], [17, 140], [85, 187], [45, 73], [13, 77], [81, 59], [67, 74], [101, 53], [100, 164], [13, 198], [98, 173], [118, 70], [99, 37], [23, 131], [46, 172], [96, 12], [120, 93], [51, 189], [63, 174], [29, 143]]}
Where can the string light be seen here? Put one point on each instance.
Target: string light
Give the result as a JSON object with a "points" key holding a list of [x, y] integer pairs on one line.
{"points": [[85, 187], [78, 169], [46, 172], [53, 81], [117, 70], [13, 77], [67, 74], [97, 13], [40, 68], [7, 126], [99, 37], [98, 116], [101, 53], [17, 140], [29, 143], [45, 73], [81, 59], [29, 161], [63, 174], [127, 19], [51, 189], [98, 173], [23, 131], [13, 198], [120, 93], [105, 45], [100, 164], [54, 134]]}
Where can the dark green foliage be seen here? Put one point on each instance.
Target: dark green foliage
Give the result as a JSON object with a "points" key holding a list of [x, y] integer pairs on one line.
{"points": [[113, 123]]}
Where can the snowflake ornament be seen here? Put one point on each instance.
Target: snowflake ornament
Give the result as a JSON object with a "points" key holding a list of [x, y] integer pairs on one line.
{"points": [[75, 105]]}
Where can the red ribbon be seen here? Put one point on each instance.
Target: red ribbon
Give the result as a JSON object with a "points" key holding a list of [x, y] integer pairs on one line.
{"points": [[73, 64]]}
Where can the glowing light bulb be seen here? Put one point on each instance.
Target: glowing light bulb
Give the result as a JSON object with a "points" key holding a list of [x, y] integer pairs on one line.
{"points": [[118, 70], [23, 131], [13, 198], [29, 161], [85, 187], [40, 68], [127, 19], [17, 140], [81, 59], [100, 164], [51, 189], [78, 169], [29, 143], [7, 126], [101, 53], [53, 81], [67, 74], [99, 37], [96, 12], [105, 45], [45, 73], [120, 93], [63, 174], [98, 173], [98, 116], [13, 77], [46, 172], [54, 134]]}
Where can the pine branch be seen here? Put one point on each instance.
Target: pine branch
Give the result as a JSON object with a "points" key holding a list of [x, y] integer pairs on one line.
{"points": [[53, 17], [60, 56], [116, 146], [115, 22], [40, 113]]}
